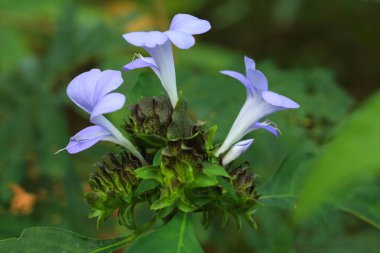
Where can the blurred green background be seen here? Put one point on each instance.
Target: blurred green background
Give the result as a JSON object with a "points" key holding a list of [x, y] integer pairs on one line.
{"points": [[320, 180]]}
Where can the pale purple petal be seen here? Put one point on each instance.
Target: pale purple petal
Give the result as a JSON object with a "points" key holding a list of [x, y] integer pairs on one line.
{"points": [[236, 150], [146, 39], [182, 40], [189, 24], [86, 138], [249, 64], [241, 78], [108, 81], [257, 79], [82, 88], [273, 130], [278, 100], [109, 103], [140, 63]]}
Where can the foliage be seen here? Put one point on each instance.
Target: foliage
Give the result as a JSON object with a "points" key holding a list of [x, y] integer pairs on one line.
{"points": [[319, 157]]}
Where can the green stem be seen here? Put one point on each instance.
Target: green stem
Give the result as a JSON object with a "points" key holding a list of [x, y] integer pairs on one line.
{"points": [[129, 238]]}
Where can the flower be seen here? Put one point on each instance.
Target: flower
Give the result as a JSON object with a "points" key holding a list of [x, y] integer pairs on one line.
{"points": [[260, 102], [236, 150], [91, 91], [158, 45]]}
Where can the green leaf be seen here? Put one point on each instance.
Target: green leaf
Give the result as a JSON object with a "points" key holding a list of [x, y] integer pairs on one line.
{"points": [[215, 170], [283, 187], [149, 172], [157, 158], [228, 187], [178, 236], [210, 134], [362, 202], [352, 155], [203, 180], [181, 126], [146, 185], [164, 201], [43, 239]]}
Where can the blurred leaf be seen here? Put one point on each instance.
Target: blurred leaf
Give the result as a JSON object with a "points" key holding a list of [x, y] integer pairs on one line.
{"points": [[283, 187], [350, 156], [57, 240], [177, 236], [13, 48], [363, 202]]}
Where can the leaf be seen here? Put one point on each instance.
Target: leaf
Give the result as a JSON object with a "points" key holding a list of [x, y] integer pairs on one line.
{"points": [[146, 185], [228, 187], [44, 239], [210, 134], [164, 201], [157, 158], [203, 180], [215, 170], [149, 172], [181, 126], [178, 236], [352, 155], [283, 187], [362, 202]]}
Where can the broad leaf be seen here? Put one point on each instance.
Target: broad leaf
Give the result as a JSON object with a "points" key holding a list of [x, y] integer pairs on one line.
{"points": [[215, 170], [43, 239], [348, 159], [178, 236]]}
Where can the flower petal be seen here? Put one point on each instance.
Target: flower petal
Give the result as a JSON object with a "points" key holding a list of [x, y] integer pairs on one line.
{"points": [[255, 77], [163, 57], [146, 39], [140, 63], [86, 138], [108, 81], [279, 100], [241, 78], [109, 103], [269, 128], [181, 39], [236, 151], [82, 88], [189, 24]]}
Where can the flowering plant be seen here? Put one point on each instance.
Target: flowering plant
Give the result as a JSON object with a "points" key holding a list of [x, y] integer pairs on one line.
{"points": [[167, 160]]}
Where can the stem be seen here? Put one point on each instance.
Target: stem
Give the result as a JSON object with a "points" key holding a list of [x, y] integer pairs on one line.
{"points": [[129, 238], [102, 121]]}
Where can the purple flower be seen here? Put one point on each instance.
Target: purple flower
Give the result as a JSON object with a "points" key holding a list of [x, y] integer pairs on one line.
{"points": [[92, 91], [260, 102], [158, 45]]}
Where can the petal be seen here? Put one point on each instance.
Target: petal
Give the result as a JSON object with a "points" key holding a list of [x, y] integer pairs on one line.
{"points": [[86, 138], [241, 78], [81, 89], [236, 151], [109, 103], [249, 63], [189, 24], [181, 39], [140, 63], [279, 100], [108, 81], [163, 57], [255, 77], [273, 130], [146, 39]]}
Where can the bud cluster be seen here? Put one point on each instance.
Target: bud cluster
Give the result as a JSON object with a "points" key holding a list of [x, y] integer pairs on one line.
{"points": [[182, 174]]}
